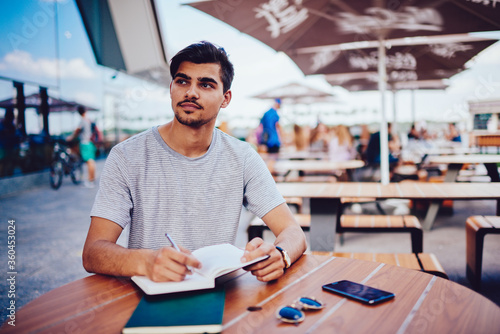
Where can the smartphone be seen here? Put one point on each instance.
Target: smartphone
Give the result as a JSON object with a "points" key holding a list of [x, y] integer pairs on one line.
{"points": [[359, 292]]}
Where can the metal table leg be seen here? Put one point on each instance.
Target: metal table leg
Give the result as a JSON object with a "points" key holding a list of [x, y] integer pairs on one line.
{"points": [[324, 213]]}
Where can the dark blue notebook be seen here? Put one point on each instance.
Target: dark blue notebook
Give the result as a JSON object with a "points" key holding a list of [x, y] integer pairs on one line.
{"points": [[184, 312]]}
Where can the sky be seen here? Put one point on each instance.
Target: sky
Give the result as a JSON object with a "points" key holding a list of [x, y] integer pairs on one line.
{"points": [[29, 47]]}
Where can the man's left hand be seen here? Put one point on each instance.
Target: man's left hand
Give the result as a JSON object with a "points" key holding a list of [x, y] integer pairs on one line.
{"points": [[266, 270]]}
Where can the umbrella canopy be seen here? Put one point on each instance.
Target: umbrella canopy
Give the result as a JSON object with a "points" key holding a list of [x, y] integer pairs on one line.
{"points": [[293, 24], [403, 62], [294, 93], [35, 101], [368, 81], [289, 25]]}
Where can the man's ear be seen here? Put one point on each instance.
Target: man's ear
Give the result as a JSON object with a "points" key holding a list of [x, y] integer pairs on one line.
{"points": [[227, 98]]}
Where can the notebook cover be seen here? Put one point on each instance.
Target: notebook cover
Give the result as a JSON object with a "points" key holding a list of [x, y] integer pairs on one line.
{"points": [[189, 312]]}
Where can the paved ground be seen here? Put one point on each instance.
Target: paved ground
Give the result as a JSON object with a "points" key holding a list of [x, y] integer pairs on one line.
{"points": [[51, 227]]}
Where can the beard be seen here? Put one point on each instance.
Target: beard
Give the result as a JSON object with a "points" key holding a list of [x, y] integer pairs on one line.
{"points": [[194, 123]]}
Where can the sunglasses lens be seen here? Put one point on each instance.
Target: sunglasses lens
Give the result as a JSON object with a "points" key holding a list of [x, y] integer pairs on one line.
{"points": [[310, 303], [290, 314]]}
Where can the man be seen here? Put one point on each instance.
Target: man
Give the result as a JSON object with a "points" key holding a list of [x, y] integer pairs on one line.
{"points": [[271, 129], [87, 148], [188, 179]]}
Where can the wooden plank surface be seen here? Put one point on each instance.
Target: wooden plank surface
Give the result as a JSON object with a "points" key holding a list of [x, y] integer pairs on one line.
{"points": [[494, 221], [464, 159], [423, 303], [454, 310], [316, 165], [408, 190], [78, 306]]}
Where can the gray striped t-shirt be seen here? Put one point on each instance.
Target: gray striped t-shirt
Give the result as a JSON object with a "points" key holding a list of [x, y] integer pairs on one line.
{"points": [[197, 201]]}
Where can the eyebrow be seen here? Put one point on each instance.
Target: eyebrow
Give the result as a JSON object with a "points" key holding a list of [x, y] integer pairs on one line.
{"points": [[201, 79]]}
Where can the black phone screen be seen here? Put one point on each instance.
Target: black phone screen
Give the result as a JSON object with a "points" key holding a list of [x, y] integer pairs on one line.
{"points": [[359, 292]]}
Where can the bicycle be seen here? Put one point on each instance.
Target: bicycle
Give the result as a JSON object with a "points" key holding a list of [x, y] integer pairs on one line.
{"points": [[64, 162]]}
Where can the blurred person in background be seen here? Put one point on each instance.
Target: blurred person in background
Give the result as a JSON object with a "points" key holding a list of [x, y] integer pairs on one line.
{"points": [[9, 143], [300, 137], [87, 148], [373, 149], [341, 144], [319, 138], [271, 131], [413, 133], [453, 133]]}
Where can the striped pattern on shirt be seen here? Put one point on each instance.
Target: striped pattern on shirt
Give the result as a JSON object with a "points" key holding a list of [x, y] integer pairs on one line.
{"points": [[197, 201]]}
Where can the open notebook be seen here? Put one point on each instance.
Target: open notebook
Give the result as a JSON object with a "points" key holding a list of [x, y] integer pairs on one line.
{"points": [[217, 260]]}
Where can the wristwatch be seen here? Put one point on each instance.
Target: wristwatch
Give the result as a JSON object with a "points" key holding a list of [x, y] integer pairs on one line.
{"points": [[286, 257]]}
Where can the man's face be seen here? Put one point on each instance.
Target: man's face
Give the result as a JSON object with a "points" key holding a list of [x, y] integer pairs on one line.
{"points": [[197, 93]]}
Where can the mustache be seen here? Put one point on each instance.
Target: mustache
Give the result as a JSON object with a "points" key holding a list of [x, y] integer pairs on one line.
{"points": [[190, 101]]}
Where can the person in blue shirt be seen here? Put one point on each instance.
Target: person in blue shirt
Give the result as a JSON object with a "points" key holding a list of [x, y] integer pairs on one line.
{"points": [[453, 134], [271, 129]]}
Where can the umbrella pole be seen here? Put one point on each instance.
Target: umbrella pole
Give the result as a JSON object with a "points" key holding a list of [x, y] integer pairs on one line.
{"points": [[413, 108], [394, 113], [384, 142]]}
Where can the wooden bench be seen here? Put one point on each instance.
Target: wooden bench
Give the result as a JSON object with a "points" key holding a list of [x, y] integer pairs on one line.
{"points": [[426, 262], [476, 227], [295, 202], [360, 224], [384, 224]]}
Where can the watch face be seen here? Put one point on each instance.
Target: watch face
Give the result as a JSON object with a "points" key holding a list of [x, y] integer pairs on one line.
{"points": [[286, 258]]}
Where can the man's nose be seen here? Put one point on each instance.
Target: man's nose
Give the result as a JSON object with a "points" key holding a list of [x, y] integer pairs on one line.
{"points": [[192, 92]]}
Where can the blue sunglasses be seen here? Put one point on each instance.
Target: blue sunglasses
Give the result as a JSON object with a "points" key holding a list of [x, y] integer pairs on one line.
{"points": [[293, 313]]}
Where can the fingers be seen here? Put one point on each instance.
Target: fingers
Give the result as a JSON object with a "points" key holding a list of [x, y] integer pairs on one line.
{"points": [[170, 265], [269, 273], [190, 260], [266, 270], [254, 249]]}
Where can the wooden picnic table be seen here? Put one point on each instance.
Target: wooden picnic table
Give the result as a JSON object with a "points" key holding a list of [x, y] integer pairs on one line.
{"points": [[325, 200], [326, 166], [423, 304], [455, 163]]}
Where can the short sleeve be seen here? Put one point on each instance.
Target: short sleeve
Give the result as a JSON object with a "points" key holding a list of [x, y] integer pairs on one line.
{"points": [[113, 200], [261, 193]]}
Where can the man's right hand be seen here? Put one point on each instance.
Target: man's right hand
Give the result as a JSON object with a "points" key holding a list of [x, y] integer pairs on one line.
{"points": [[167, 264]]}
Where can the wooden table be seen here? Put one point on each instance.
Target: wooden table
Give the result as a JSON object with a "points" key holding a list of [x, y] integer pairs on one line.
{"points": [[450, 150], [295, 155], [287, 166], [423, 303], [455, 163], [325, 202]]}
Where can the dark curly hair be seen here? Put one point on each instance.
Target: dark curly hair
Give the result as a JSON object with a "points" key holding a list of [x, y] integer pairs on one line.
{"points": [[205, 52]]}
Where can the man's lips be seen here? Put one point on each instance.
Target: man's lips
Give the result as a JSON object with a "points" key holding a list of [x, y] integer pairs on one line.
{"points": [[190, 105]]}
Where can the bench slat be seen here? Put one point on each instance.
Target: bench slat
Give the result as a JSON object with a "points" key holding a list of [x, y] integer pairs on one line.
{"points": [[362, 256], [408, 261], [477, 222], [412, 222], [430, 264], [476, 228], [493, 220], [387, 258], [345, 200]]}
